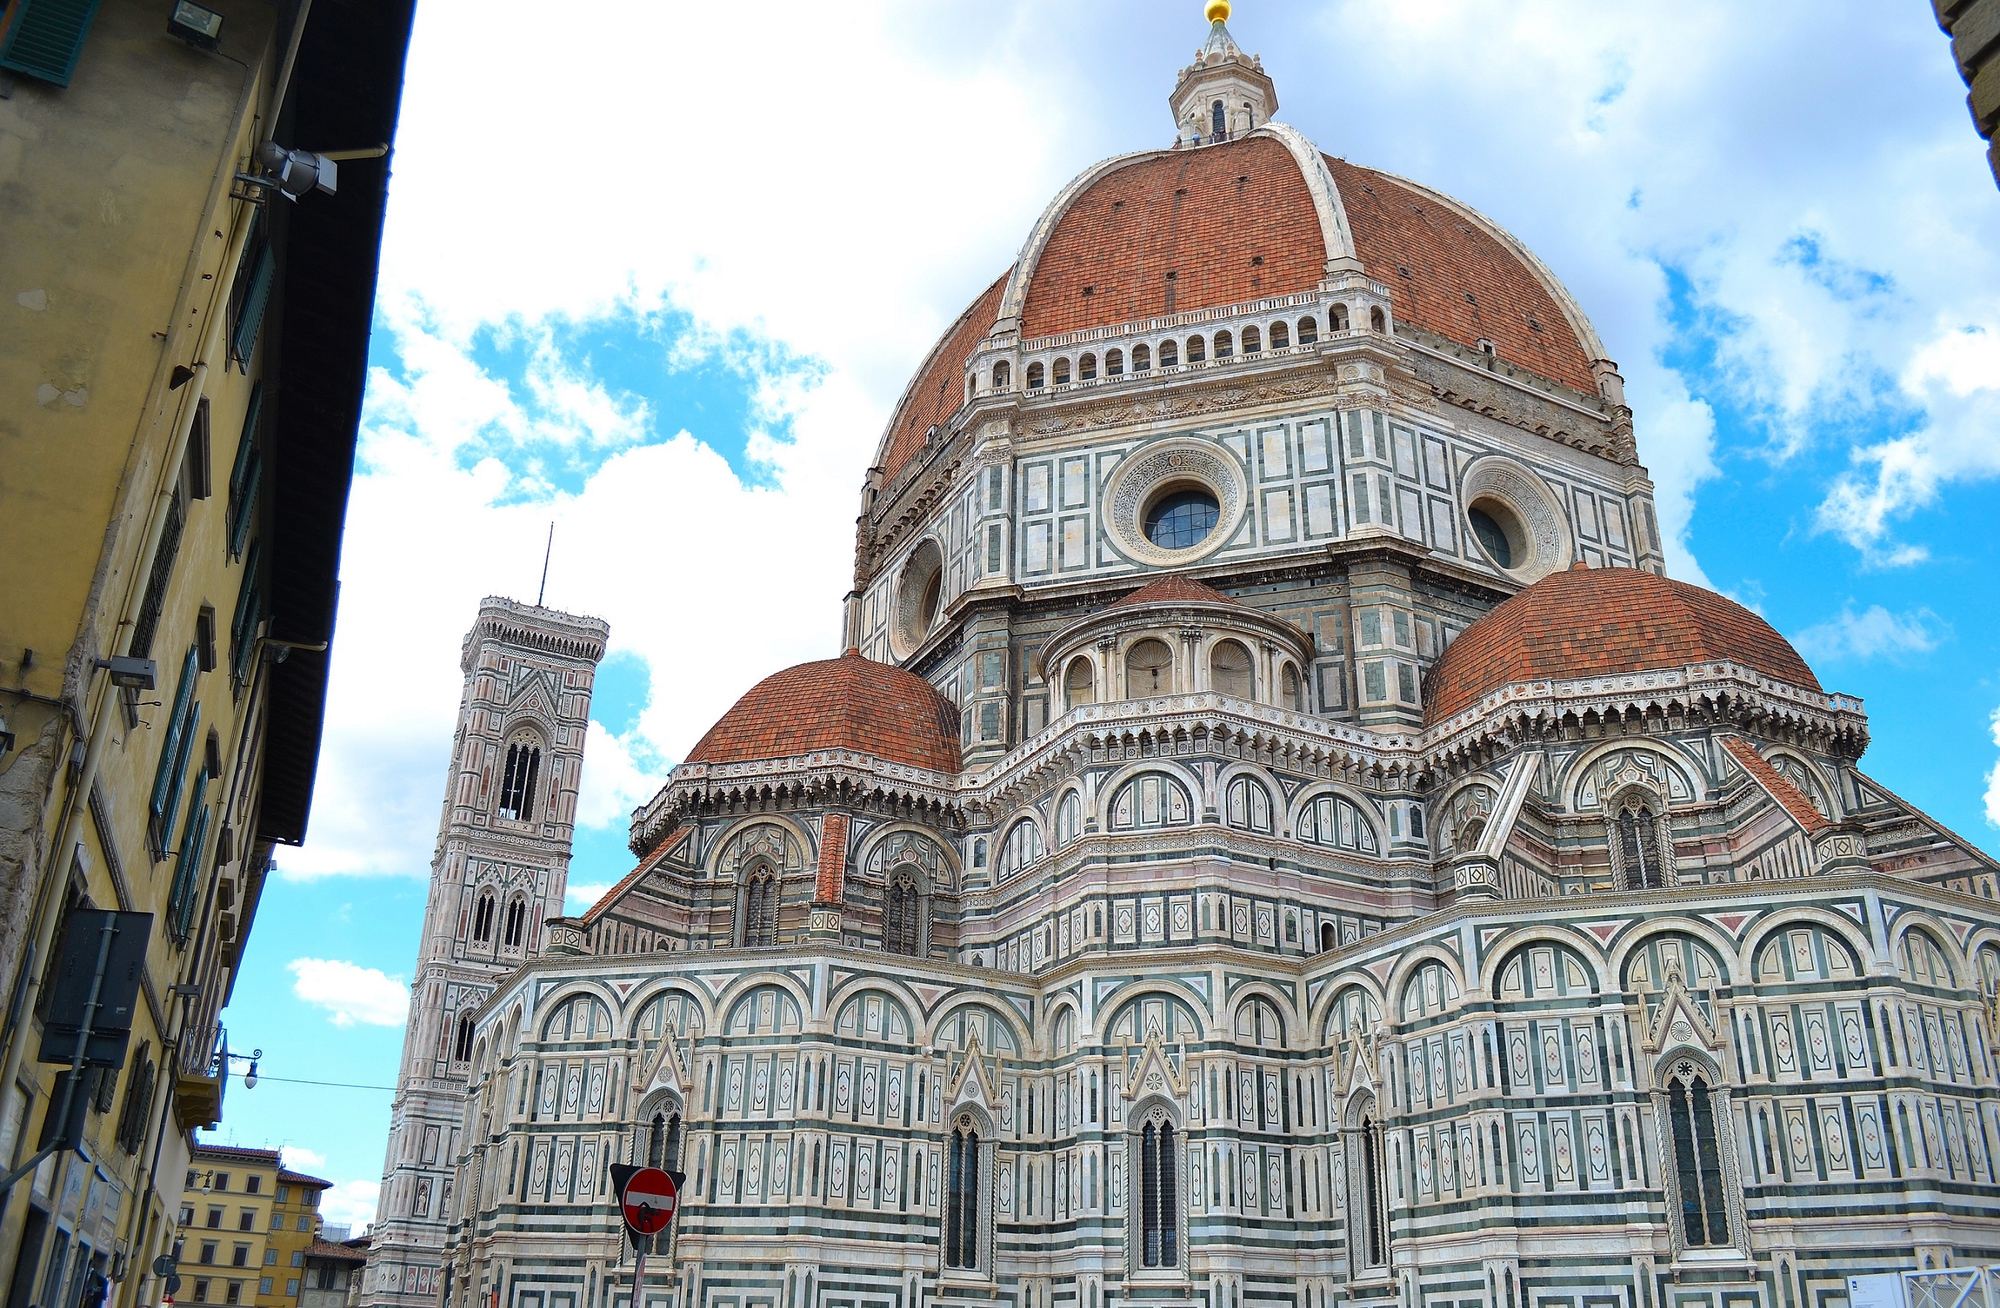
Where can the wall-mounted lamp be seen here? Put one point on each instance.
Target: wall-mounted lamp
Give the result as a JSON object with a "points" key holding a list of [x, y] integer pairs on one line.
{"points": [[294, 172], [131, 673], [198, 26]]}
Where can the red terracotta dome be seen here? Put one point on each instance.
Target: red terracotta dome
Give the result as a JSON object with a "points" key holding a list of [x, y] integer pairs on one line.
{"points": [[850, 703], [1176, 231], [1589, 622]]}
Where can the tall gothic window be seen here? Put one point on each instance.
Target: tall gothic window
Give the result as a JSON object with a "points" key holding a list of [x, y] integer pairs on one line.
{"points": [[961, 1212], [1704, 1197], [482, 919], [1216, 124], [663, 1141], [1159, 1198], [462, 1051], [1367, 1237], [760, 910], [517, 913], [1639, 845], [903, 915], [517, 786]]}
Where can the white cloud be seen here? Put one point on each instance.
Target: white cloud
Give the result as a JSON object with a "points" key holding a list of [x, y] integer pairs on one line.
{"points": [[614, 780], [301, 1159], [350, 993], [351, 1203], [1993, 778], [579, 898], [1872, 632]]}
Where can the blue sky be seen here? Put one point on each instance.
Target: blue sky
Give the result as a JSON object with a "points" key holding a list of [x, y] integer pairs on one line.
{"points": [[673, 310]]}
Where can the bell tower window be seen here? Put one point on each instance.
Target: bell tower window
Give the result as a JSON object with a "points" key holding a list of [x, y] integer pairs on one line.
{"points": [[760, 910], [517, 785], [482, 919], [517, 913], [903, 915]]}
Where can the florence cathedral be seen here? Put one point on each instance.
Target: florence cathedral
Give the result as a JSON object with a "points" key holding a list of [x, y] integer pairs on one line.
{"points": [[1275, 838]]}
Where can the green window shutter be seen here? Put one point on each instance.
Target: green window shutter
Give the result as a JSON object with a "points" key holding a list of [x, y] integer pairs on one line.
{"points": [[187, 872], [148, 622], [170, 747], [246, 473], [178, 777], [46, 37], [246, 508], [246, 598], [250, 318]]}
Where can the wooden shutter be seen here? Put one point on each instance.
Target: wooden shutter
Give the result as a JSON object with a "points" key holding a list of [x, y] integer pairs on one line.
{"points": [[46, 37], [250, 318]]}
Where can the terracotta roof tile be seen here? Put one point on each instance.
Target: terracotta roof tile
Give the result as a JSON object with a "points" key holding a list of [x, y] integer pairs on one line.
{"points": [[300, 1178], [1589, 622], [1199, 215], [849, 703], [939, 388], [1446, 275], [339, 1253], [1776, 786], [1175, 590], [832, 859]]}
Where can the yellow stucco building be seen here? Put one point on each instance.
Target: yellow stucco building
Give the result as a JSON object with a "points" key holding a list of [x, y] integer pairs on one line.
{"points": [[245, 1224], [185, 299]]}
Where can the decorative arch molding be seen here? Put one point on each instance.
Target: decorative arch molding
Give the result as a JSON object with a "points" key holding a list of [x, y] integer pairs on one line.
{"points": [[1504, 946], [1110, 785], [1407, 966], [1320, 1011], [726, 846], [875, 842], [1364, 809], [1205, 1016], [1015, 297], [1845, 929], [1289, 1016], [927, 1034], [1256, 775], [1063, 1005], [1718, 942], [1783, 758], [546, 1003], [1578, 774], [858, 986], [642, 996], [732, 993], [1940, 931]]}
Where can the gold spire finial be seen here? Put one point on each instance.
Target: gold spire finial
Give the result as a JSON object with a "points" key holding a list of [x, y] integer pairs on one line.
{"points": [[1217, 11]]}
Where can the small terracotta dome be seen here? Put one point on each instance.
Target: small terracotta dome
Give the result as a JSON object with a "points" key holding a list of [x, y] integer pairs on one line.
{"points": [[850, 703], [1175, 590], [1589, 622]]}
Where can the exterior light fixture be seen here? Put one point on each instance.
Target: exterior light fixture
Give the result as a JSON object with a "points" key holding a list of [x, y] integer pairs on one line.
{"points": [[198, 26], [250, 1076], [294, 172], [131, 673]]}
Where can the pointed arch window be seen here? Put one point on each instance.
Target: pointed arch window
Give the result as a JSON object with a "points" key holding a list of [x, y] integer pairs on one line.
{"points": [[1703, 1190], [903, 915], [760, 910], [1642, 847], [1371, 1240], [663, 1140], [517, 916], [482, 919], [1159, 1195], [462, 1050], [961, 1213], [517, 784], [1216, 122]]}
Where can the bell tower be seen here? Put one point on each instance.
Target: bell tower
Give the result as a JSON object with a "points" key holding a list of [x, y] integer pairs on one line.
{"points": [[499, 871]]}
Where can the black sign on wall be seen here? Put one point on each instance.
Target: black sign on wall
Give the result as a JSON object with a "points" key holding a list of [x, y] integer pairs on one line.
{"points": [[76, 968]]}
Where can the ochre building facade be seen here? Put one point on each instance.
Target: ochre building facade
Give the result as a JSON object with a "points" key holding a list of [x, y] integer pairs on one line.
{"points": [[1276, 836]]}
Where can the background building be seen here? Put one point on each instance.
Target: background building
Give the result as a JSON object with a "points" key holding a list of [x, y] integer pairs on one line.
{"points": [[1275, 836], [500, 871], [184, 354], [1974, 28]]}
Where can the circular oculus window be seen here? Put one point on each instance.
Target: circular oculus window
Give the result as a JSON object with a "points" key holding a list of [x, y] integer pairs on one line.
{"points": [[1173, 502], [919, 597], [1514, 520]]}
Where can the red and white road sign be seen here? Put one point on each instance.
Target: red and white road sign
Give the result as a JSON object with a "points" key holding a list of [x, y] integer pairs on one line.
{"points": [[649, 1200]]}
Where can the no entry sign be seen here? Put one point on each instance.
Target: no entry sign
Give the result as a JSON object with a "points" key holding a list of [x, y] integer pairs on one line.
{"points": [[649, 1199]]}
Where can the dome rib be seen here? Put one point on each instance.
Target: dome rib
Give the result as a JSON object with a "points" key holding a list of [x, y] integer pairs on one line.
{"points": [[1589, 622], [938, 389], [849, 703]]}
